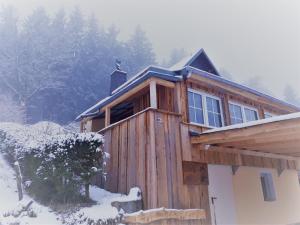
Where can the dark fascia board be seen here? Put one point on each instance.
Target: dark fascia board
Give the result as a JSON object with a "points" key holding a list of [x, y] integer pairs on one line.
{"points": [[239, 86], [169, 77]]}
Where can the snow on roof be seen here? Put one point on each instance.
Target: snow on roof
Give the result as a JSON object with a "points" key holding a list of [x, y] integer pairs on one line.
{"points": [[181, 64], [256, 122]]}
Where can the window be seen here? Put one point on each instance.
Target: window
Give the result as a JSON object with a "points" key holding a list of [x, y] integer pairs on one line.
{"points": [[204, 109], [213, 112], [240, 113], [268, 186], [236, 115], [268, 115], [195, 108], [250, 115]]}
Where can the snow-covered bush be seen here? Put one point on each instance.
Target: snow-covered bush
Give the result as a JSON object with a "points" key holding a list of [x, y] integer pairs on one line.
{"points": [[55, 163]]}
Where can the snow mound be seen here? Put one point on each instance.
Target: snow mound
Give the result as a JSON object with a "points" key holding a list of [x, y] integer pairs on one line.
{"points": [[9, 204], [103, 211]]}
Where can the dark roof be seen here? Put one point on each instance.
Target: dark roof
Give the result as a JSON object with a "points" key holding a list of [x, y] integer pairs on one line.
{"points": [[199, 60], [133, 82], [173, 74]]}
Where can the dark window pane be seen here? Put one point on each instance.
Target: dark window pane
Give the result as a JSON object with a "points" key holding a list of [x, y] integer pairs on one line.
{"points": [[199, 116], [211, 121], [238, 112], [218, 120], [192, 114], [198, 101], [216, 106], [191, 98], [209, 104]]}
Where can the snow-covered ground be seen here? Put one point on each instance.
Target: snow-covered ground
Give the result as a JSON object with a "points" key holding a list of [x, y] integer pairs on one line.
{"points": [[9, 202], [30, 137]]}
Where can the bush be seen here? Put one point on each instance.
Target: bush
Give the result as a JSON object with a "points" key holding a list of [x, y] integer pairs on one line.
{"points": [[55, 168]]}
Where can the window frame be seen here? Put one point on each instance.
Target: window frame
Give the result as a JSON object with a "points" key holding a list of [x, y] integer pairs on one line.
{"points": [[243, 111], [204, 95]]}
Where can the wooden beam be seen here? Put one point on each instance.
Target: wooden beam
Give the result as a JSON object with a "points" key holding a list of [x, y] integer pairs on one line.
{"points": [[245, 152], [153, 94], [107, 116], [279, 128], [138, 88], [281, 167], [225, 104], [149, 216], [234, 169], [177, 94]]}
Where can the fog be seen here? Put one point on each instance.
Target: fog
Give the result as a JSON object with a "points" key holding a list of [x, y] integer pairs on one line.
{"points": [[248, 39]]}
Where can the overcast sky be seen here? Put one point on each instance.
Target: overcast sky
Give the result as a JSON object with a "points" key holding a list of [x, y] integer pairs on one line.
{"points": [[251, 38]]}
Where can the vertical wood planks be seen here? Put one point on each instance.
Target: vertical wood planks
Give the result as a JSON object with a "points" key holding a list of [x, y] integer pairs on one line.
{"points": [[114, 158], [123, 155], [152, 192], [147, 151], [131, 160], [161, 157], [141, 153]]}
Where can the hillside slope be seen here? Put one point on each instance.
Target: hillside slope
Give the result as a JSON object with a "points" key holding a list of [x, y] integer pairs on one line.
{"points": [[9, 203]]}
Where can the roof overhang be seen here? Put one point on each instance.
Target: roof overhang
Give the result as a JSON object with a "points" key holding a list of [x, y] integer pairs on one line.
{"points": [[238, 89], [134, 84], [277, 135]]}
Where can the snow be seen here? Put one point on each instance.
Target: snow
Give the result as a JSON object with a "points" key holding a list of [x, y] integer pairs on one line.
{"points": [[256, 122], [9, 201], [27, 137], [181, 64], [103, 201]]}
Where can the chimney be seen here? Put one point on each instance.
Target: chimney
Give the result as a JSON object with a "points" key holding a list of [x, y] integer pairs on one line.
{"points": [[117, 78]]}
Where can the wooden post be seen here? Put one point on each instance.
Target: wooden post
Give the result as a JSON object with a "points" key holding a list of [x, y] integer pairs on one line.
{"points": [[261, 112], [18, 179], [177, 99], [107, 116], [153, 95], [226, 110]]}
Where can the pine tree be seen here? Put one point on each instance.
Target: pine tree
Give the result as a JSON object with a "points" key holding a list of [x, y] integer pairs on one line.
{"points": [[140, 51]]}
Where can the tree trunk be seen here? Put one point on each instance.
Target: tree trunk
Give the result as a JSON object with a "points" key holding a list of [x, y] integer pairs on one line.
{"points": [[19, 180], [87, 190]]}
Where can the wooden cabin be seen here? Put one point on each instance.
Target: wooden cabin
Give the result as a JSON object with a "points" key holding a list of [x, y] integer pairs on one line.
{"points": [[191, 139]]}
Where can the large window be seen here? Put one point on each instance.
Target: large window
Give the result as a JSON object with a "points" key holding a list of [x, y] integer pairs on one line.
{"points": [[240, 113], [204, 109]]}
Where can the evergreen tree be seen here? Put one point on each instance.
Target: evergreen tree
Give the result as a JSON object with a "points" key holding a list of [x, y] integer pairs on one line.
{"points": [[176, 56], [56, 68], [140, 52]]}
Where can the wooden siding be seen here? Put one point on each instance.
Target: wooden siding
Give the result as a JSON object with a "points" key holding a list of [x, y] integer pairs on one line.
{"points": [[227, 96], [145, 151], [152, 150], [165, 100]]}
